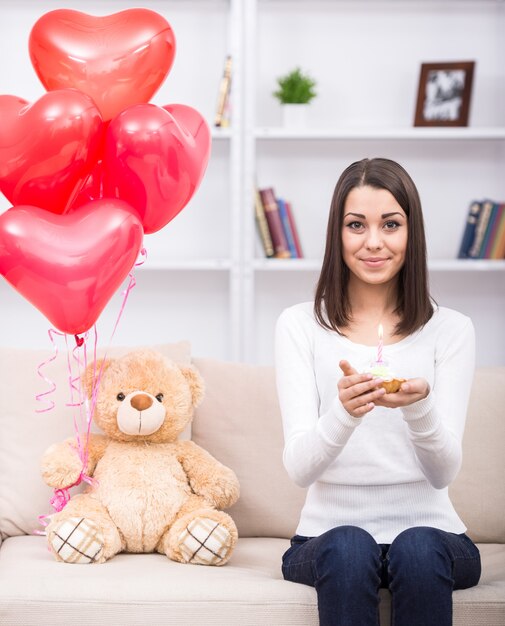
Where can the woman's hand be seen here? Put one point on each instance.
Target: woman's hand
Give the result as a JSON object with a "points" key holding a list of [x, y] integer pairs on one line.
{"points": [[358, 393], [411, 391]]}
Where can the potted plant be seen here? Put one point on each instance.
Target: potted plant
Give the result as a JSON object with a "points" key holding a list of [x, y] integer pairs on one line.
{"points": [[295, 91]]}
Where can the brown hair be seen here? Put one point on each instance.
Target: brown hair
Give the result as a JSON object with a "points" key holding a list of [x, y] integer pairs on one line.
{"points": [[332, 308]]}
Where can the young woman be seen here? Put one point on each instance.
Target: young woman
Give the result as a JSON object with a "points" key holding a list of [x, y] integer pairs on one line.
{"points": [[377, 465]]}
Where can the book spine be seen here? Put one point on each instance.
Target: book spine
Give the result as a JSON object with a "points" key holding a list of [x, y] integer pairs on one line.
{"points": [[469, 231], [294, 230], [287, 227], [480, 231], [226, 117], [498, 247], [281, 250], [490, 236], [223, 95], [262, 224]]}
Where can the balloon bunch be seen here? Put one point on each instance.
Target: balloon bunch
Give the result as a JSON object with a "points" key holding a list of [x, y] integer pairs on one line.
{"points": [[92, 166]]}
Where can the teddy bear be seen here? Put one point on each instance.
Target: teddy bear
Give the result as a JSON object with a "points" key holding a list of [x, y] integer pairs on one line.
{"points": [[150, 491]]}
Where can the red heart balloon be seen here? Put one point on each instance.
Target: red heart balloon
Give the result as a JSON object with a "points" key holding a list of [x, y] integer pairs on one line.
{"points": [[69, 266], [155, 158], [48, 148], [119, 59]]}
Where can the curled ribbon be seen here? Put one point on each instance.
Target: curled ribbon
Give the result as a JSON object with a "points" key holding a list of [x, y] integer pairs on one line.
{"points": [[52, 386], [61, 496]]}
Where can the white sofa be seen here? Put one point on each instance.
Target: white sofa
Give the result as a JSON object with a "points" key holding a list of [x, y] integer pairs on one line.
{"points": [[239, 423]]}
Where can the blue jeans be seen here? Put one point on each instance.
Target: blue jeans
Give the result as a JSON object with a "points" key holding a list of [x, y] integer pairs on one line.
{"points": [[347, 567]]}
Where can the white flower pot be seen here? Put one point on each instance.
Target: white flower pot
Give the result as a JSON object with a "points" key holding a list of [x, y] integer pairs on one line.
{"points": [[294, 115]]}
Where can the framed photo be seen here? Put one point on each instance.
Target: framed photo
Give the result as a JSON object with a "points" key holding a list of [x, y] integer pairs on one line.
{"points": [[443, 98]]}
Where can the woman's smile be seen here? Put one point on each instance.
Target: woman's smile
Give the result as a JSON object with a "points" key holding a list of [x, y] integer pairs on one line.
{"points": [[375, 262]]}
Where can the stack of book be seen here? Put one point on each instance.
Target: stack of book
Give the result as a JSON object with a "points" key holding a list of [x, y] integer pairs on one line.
{"points": [[276, 226], [484, 233]]}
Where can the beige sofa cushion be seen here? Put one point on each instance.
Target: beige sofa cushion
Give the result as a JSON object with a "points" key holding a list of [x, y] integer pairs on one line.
{"points": [[25, 434], [138, 589], [478, 493], [241, 405], [149, 589], [239, 423]]}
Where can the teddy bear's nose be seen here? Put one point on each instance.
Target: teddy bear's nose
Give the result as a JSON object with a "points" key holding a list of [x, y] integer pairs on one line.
{"points": [[141, 402]]}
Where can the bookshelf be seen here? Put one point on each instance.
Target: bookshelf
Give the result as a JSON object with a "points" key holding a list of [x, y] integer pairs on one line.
{"points": [[451, 166], [205, 278]]}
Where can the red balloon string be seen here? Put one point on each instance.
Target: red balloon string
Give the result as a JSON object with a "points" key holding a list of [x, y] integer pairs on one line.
{"points": [[77, 364], [75, 386], [131, 284]]}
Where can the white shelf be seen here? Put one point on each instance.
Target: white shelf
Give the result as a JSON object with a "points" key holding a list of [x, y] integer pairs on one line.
{"points": [[466, 265], [436, 265], [287, 265], [416, 133], [188, 265], [220, 133], [308, 265]]}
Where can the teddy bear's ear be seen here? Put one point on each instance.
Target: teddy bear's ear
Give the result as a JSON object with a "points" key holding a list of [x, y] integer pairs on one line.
{"points": [[92, 372], [195, 382]]}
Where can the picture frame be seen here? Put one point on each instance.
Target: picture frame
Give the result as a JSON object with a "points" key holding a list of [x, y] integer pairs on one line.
{"points": [[444, 94]]}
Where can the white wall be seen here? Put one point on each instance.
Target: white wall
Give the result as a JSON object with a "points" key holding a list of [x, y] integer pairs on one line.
{"points": [[164, 306], [366, 57]]}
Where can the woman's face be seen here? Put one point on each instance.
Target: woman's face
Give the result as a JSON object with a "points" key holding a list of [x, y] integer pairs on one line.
{"points": [[374, 235]]}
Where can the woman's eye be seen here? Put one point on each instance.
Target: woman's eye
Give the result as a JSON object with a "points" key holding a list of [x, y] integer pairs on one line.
{"points": [[391, 225], [159, 397], [354, 225]]}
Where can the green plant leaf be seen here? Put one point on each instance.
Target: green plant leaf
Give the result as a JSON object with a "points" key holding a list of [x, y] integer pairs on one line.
{"points": [[295, 88]]}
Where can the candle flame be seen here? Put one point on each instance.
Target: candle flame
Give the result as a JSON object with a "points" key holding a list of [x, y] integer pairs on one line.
{"points": [[380, 331]]}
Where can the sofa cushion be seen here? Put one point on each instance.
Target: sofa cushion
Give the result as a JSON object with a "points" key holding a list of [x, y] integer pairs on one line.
{"points": [[478, 493], [240, 406], [239, 423], [25, 434], [139, 589]]}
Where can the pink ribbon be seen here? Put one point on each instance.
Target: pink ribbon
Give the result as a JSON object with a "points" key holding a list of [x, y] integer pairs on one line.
{"points": [[61, 496], [52, 386]]}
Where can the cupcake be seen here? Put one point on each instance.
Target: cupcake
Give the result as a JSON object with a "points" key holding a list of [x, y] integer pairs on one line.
{"points": [[390, 381]]}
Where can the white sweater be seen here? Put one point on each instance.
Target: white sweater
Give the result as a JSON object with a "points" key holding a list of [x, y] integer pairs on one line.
{"points": [[390, 469]]}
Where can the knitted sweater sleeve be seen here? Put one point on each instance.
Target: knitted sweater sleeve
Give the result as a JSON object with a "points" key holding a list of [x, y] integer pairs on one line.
{"points": [[312, 440], [436, 424]]}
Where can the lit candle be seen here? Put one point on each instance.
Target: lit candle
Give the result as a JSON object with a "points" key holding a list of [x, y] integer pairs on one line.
{"points": [[380, 332]]}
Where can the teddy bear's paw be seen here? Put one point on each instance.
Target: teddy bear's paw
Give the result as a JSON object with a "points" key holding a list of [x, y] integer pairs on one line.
{"points": [[77, 540], [205, 542]]}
